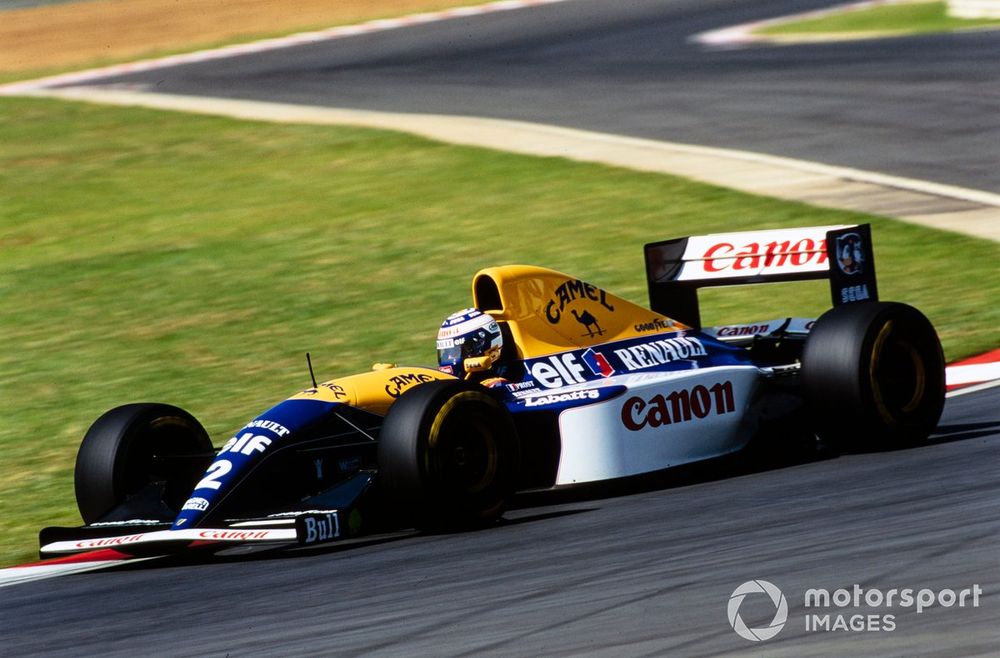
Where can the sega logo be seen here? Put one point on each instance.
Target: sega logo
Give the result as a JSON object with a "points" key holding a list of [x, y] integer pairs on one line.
{"points": [[854, 293]]}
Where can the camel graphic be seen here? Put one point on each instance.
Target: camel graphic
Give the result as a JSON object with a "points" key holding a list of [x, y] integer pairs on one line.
{"points": [[589, 322]]}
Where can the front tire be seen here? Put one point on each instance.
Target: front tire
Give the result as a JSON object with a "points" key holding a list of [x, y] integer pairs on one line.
{"points": [[447, 456], [873, 375], [136, 445]]}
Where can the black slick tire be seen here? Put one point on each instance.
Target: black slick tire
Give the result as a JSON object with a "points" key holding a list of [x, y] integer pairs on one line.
{"points": [[873, 375], [132, 446], [447, 456]]}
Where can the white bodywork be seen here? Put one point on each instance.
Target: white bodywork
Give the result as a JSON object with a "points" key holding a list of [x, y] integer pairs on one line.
{"points": [[662, 420]]}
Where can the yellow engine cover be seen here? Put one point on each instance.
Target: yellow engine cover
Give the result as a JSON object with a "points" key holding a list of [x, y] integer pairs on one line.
{"points": [[548, 311], [373, 391]]}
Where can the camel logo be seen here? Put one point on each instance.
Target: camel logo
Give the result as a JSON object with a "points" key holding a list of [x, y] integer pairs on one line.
{"points": [[763, 632], [589, 323], [571, 291]]}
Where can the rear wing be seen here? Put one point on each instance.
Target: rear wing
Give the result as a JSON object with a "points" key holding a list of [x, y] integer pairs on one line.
{"points": [[676, 269]]}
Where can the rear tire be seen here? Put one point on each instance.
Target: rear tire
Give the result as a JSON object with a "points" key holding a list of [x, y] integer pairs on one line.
{"points": [[447, 456], [873, 375], [133, 446]]}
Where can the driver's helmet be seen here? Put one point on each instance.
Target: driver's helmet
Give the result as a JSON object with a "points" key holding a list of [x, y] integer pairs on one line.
{"points": [[467, 334]]}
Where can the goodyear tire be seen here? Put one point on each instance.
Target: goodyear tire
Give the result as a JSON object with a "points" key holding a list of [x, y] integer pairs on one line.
{"points": [[873, 375], [133, 446], [447, 456]]}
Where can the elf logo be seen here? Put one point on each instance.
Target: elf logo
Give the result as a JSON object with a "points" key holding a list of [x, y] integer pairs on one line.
{"points": [[598, 363], [559, 370]]}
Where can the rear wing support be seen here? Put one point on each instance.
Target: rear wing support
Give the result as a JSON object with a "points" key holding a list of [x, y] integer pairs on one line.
{"points": [[677, 269]]}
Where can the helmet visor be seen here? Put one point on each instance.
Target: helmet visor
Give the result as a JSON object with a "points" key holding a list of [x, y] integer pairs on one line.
{"points": [[449, 354]]}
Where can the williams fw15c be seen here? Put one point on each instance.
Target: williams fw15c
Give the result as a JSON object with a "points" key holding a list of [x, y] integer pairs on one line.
{"points": [[545, 381]]}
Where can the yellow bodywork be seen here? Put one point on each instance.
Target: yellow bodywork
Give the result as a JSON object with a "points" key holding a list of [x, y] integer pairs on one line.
{"points": [[548, 311], [373, 391]]}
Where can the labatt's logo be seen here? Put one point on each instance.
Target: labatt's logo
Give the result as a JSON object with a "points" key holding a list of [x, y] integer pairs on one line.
{"points": [[723, 256], [556, 398], [569, 292]]}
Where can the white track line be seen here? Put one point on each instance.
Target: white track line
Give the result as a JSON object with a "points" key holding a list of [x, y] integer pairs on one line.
{"points": [[974, 373], [41, 571], [30, 573], [972, 389], [736, 36]]}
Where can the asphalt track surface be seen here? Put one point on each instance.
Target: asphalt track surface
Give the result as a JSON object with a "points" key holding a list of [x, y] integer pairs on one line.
{"points": [[925, 107], [648, 571]]}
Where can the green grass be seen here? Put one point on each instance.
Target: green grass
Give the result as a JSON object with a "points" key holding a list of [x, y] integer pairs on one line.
{"points": [[149, 255], [911, 18]]}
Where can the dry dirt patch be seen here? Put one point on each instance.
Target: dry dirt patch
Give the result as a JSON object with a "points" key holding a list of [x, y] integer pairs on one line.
{"points": [[84, 33]]}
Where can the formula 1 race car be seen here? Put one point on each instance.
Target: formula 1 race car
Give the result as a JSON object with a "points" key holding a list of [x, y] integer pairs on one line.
{"points": [[594, 388]]}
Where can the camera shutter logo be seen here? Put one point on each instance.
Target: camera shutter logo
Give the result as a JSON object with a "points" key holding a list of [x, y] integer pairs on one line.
{"points": [[780, 610]]}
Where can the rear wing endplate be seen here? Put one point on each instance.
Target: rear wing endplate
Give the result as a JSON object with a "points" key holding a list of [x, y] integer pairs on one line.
{"points": [[676, 269]]}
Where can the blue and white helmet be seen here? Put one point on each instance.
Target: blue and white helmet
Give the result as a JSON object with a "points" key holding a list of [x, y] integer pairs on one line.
{"points": [[469, 333]]}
